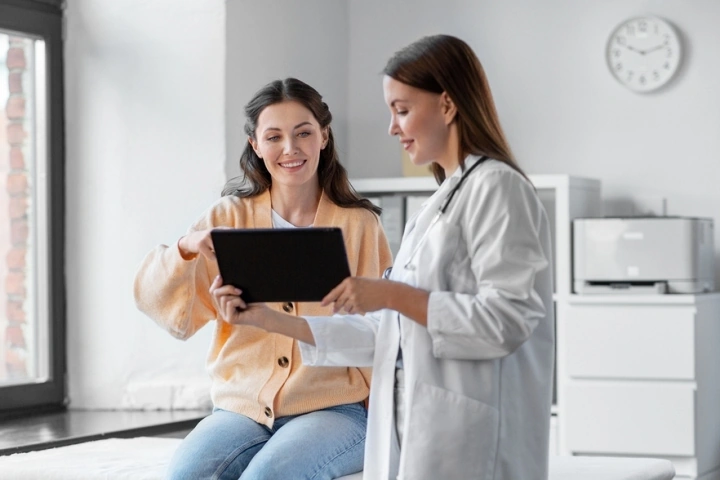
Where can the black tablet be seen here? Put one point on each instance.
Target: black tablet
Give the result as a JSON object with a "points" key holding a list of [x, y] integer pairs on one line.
{"points": [[281, 265]]}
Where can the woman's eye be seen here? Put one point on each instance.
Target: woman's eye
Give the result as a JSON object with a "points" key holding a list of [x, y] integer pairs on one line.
{"points": [[402, 112], [303, 134], [273, 138]]}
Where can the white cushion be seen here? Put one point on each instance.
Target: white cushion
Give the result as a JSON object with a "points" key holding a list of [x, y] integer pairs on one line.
{"points": [[610, 468]]}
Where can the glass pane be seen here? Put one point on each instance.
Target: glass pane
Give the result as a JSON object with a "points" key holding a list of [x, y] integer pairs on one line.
{"points": [[24, 345]]}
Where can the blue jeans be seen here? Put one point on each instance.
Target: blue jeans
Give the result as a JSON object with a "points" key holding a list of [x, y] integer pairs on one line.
{"points": [[320, 445]]}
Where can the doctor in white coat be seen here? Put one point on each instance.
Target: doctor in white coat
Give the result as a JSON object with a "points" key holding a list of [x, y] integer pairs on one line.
{"points": [[460, 336]]}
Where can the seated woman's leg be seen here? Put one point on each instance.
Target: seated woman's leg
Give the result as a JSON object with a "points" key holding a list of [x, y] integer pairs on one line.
{"points": [[220, 447], [321, 445]]}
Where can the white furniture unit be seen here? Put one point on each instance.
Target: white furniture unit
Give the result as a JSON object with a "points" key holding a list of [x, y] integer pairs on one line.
{"points": [[565, 198], [638, 376]]}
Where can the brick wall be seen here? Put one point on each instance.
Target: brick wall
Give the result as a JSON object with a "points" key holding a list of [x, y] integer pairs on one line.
{"points": [[17, 189]]}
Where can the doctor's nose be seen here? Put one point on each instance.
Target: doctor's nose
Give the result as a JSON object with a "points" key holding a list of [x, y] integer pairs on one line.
{"points": [[394, 128]]}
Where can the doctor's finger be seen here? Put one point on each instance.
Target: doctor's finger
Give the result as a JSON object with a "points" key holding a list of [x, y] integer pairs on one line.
{"points": [[334, 294]]}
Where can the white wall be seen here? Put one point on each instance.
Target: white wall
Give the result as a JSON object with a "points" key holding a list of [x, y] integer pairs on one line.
{"points": [[145, 155], [273, 39], [560, 107]]}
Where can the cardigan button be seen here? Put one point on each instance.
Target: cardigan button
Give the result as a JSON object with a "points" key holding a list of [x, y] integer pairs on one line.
{"points": [[288, 307], [268, 412], [283, 362]]}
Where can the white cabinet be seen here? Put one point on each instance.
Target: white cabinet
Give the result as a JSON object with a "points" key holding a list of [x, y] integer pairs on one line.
{"points": [[640, 375]]}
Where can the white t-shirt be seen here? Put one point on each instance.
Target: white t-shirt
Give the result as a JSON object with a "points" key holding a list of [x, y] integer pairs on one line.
{"points": [[279, 222]]}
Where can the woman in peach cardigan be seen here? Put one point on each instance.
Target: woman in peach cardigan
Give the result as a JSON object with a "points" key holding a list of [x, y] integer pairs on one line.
{"points": [[273, 417]]}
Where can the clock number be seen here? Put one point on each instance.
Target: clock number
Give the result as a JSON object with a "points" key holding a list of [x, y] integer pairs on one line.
{"points": [[669, 52], [642, 26], [656, 29], [630, 30], [629, 75], [667, 66], [642, 79], [621, 40], [656, 75], [617, 52], [618, 66]]}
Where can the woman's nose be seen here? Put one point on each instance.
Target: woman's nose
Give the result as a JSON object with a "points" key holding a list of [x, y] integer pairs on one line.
{"points": [[290, 147]]}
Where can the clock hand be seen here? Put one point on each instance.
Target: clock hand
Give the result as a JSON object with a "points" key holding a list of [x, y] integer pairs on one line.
{"points": [[630, 47], [656, 48]]}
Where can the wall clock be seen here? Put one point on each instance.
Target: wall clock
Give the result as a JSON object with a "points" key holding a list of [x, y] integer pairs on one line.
{"points": [[644, 53]]}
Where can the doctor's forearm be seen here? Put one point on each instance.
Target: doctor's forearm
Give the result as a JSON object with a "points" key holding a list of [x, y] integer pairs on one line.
{"points": [[409, 301]]}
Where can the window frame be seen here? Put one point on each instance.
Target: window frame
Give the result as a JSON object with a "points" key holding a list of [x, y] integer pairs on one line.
{"points": [[44, 19]]}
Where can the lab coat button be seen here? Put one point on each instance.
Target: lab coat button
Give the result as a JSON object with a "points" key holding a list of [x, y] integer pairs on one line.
{"points": [[268, 412], [288, 307], [283, 362]]}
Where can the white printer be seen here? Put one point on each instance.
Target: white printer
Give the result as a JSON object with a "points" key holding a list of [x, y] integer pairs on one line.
{"points": [[643, 255]]}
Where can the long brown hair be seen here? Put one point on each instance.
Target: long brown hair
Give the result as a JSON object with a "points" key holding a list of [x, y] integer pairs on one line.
{"points": [[442, 63], [255, 178]]}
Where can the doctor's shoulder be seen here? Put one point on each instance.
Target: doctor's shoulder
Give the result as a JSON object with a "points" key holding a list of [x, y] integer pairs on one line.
{"points": [[498, 182]]}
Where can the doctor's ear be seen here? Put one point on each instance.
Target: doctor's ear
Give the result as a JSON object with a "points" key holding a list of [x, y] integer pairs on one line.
{"points": [[253, 143], [449, 110]]}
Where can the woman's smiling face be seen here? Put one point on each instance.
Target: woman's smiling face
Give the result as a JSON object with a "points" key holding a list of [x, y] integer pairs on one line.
{"points": [[288, 138]]}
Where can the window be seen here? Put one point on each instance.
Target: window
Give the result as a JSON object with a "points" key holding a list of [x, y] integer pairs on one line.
{"points": [[32, 270]]}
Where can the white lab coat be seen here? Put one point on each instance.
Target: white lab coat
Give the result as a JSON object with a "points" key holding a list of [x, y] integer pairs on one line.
{"points": [[478, 379]]}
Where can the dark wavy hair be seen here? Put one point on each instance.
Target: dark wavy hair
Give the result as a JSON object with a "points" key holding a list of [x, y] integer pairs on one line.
{"points": [[443, 63], [255, 178]]}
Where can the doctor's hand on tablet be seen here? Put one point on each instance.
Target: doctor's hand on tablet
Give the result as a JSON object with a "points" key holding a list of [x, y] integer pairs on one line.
{"points": [[360, 295]]}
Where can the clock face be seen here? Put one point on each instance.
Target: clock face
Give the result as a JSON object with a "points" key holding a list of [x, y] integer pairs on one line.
{"points": [[643, 53]]}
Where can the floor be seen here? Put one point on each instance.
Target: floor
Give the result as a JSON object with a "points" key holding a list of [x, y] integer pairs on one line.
{"points": [[75, 426]]}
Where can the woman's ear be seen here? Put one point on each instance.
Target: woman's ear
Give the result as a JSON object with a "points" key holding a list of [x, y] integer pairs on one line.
{"points": [[449, 110], [325, 137], [253, 143]]}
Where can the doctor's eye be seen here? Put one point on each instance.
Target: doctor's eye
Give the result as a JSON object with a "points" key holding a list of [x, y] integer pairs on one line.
{"points": [[401, 112], [274, 138], [304, 134]]}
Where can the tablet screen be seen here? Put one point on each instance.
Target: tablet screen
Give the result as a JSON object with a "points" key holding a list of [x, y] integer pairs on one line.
{"points": [[281, 265]]}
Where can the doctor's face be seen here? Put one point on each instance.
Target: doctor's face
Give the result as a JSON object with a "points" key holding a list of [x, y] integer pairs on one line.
{"points": [[288, 138], [416, 118]]}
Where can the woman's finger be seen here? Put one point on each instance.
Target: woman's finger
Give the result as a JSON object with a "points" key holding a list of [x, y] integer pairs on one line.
{"points": [[237, 302], [217, 283]]}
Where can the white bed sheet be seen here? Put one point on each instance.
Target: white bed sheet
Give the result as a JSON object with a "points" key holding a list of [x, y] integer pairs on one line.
{"points": [[146, 458]]}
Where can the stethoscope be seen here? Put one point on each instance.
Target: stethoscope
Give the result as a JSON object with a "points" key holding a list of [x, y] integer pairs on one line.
{"points": [[441, 210]]}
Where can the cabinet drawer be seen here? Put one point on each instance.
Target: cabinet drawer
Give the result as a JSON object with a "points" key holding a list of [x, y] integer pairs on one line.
{"points": [[633, 418], [630, 341]]}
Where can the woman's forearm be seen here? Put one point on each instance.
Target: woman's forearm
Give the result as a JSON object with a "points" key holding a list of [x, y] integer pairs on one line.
{"points": [[410, 301], [288, 325]]}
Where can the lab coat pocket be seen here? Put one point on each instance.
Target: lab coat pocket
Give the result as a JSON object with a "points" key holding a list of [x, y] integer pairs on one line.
{"points": [[448, 436]]}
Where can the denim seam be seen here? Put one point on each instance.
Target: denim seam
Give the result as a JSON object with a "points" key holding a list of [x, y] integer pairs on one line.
{"points": [[361, 440], [235, 453]]}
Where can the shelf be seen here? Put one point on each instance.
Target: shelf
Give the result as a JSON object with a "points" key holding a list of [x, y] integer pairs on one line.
{"points": [[630, 299], [405, 185]]}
